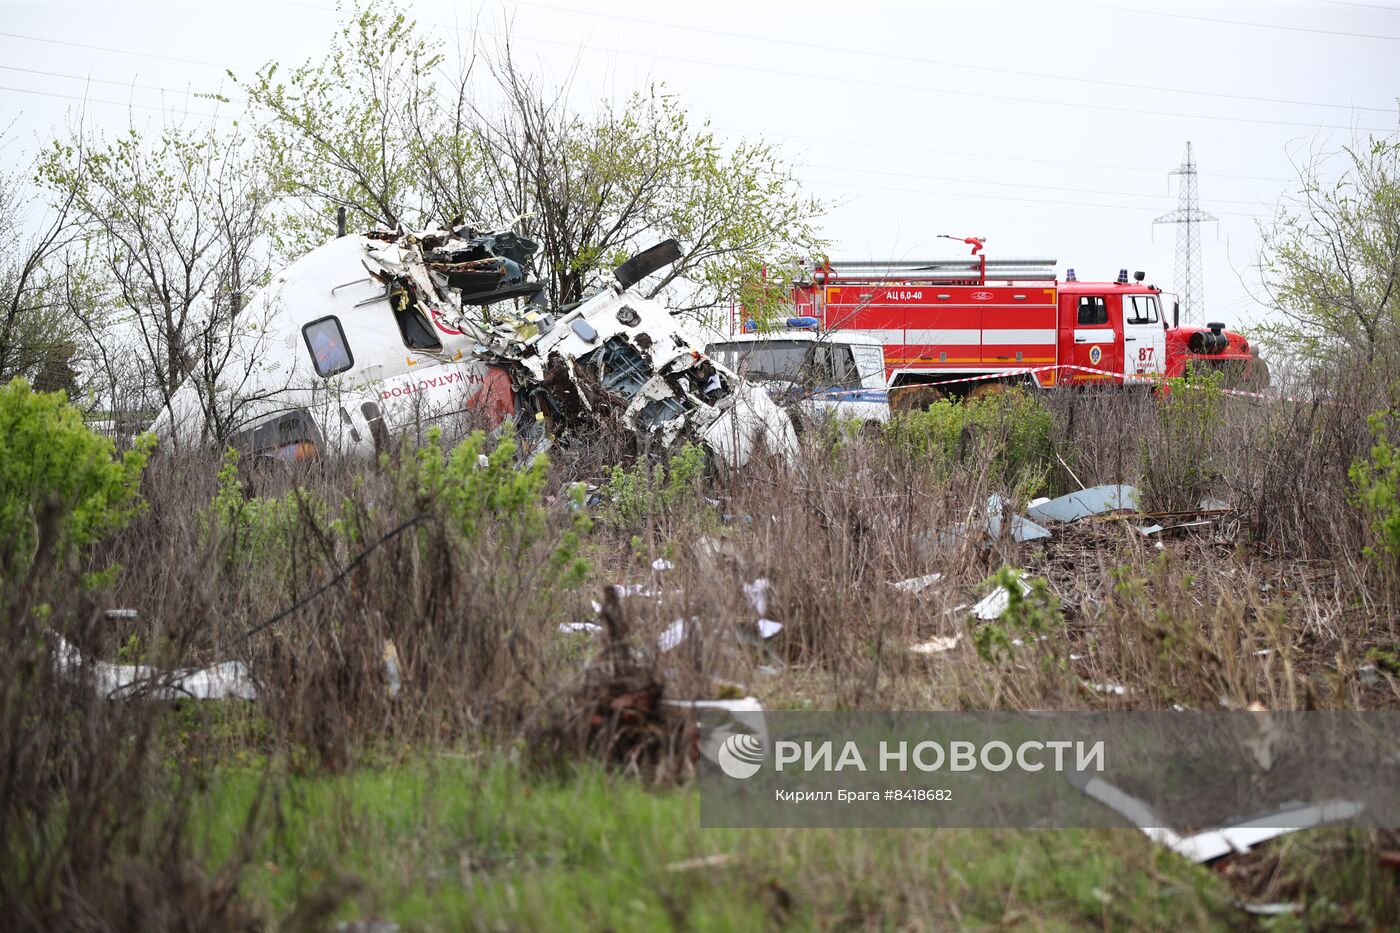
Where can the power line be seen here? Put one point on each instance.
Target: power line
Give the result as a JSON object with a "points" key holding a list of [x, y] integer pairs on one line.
{"points": [[1364, 6], [953, 152], [87, 78], [811, 77], [113, 103], [1232, 22], [886, 56], [1005, 197], [808, 76], [104, 48], [1012, 184], [979, 155]]}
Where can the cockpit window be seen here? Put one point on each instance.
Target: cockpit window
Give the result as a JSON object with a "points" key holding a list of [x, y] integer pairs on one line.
{"points": [[326, 342], [417, 331]]}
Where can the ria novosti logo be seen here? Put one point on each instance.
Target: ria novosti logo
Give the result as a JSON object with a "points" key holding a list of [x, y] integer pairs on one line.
{"points": [[741, 755]]}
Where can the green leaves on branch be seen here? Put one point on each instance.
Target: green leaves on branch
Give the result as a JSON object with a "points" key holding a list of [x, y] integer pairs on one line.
{"points": [[62, 487], [1331, 260]]}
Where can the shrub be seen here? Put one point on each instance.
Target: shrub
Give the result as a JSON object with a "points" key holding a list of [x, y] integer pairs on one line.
{"points": [[1377, 484], [1013, 431], [257, 531], [656, 490], [481, 494], [61, 486], [1031, 612], [1178, 461]]}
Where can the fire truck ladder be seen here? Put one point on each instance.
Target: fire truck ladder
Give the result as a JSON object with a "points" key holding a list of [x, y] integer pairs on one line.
{"points": [[945, 271]]}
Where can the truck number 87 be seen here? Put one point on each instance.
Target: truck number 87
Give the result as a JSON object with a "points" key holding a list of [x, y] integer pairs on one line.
{"points": [[1145, 354]]}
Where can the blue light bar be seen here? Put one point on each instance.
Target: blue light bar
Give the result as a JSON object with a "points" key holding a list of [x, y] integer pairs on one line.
{"points": [[1069, 276], [802, 323]]}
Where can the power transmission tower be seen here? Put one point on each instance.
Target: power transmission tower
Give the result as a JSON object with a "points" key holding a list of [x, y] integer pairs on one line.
{"points": [[1188, 218]]}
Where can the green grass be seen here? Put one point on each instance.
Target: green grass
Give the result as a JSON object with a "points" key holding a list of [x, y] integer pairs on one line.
{"points": [[457, 843]]}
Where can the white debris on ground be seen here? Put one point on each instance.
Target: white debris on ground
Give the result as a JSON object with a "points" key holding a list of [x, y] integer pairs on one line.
{"points": [[937, 645], [223, 681]]}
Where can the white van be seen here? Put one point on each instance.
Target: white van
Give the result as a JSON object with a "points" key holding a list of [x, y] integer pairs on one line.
{"points": [[834, 374]]}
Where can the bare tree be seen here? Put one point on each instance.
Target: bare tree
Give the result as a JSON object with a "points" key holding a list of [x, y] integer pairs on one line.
{"points": [[1330, 263], [35, 341], [384, 127], [174, 236]]}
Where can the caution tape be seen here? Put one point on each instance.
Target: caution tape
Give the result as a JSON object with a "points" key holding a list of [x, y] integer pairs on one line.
{"points": [[1131, 378]]}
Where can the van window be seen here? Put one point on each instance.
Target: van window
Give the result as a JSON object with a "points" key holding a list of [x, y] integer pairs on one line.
{"points": [[1140, 309], [290, 436], [326, 343], [1093, 309], [843, 368], [782, 360], [870, 361]]}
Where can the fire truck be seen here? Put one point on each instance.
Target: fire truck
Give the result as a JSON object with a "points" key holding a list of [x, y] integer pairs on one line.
{"points": [[976, 325]]}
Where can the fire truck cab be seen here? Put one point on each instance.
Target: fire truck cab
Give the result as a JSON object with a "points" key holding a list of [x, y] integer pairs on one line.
{"points": [[957, 327]]}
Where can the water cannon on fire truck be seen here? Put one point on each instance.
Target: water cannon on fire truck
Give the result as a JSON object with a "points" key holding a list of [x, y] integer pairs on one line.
{"points": [[980, 324]]}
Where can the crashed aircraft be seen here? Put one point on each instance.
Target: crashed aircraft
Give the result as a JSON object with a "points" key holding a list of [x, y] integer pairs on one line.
{"points": [[371, 336]]}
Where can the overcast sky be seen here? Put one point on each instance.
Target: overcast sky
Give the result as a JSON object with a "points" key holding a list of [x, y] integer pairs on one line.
{"points": [[1049, 128]]}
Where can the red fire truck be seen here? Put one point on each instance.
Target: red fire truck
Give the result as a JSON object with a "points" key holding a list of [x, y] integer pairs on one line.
{"points": [[978, 325]]}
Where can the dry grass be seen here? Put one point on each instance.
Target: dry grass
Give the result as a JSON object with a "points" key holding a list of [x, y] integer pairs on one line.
{"points": [[1273, 603]]}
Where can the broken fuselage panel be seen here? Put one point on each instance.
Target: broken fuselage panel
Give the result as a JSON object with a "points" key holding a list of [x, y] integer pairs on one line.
{"points": [[622, 359], [358, 340], [369, 337]]}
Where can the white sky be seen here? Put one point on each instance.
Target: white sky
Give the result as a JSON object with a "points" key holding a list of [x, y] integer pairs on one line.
{"points": [[1049, 128]]}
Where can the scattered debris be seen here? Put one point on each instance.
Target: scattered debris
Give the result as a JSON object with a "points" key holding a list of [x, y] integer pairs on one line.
{"points": [[662, 563], [917, 584], [718, 860], [223, 681], [998, 600], [1022, 528], [1096, 500], [717, 720], [1209, 845], [120, 615], [586, 627], [391, 668], [1281, 909], [937, 645]]}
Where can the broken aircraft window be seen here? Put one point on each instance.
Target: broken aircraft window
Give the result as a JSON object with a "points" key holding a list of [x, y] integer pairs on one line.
{"points": [[414, 326], [290, 436], [326, 342]]}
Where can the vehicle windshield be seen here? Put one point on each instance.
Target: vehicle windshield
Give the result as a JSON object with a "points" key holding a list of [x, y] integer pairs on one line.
{"points": [[770, 361]]}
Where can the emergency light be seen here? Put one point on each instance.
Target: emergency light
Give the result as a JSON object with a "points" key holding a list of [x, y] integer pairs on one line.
{"points": [[802, 323], [1069, 276], [1122, 276]]}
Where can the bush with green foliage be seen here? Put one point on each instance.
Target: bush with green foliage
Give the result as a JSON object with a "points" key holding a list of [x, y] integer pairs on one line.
{"points": [[1028, 616], [1178, 465], [483, 495], [1014, 431], [62, 487], [258, 530], [1377, 483], [657, 490]]}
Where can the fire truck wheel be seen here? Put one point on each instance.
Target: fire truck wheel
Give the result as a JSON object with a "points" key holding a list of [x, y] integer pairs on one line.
{"points": [[913, 397]]}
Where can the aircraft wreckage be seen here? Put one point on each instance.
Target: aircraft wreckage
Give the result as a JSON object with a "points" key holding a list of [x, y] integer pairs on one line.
{"points": [[371, 336]]}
